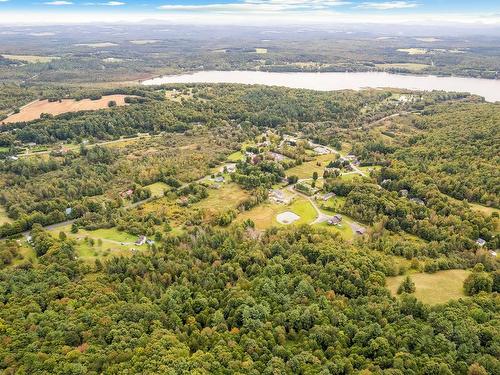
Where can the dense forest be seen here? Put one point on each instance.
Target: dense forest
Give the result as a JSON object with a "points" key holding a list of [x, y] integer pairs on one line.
{"points": [[131, 239]]}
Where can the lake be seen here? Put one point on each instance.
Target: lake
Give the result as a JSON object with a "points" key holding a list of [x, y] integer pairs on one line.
{"points": [[488, 88]]}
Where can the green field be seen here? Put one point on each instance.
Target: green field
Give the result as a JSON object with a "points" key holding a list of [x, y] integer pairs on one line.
{"points": [[264, 215], [229, 195], [157, 189], [306, 170], [114, 242], [236, 156], [350, 176], [434, 288]]}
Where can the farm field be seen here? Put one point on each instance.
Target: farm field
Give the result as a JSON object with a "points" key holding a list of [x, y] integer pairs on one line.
{"points": [[96, 45], [410, 66], [306, 169], [33, 110], [433, 288], [343, 229], [31, 58]]}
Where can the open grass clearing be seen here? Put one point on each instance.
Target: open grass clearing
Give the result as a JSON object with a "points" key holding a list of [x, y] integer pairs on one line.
{"points": [[157, 189], [409, 66], [414, 51], [113, 242], [433, 288], [3, 216], [97, 45], [236, 156], [306, 169], [144, 41], [33, 110], [229, 195], [31, 59], [264, 215], [343, 229], [261, 50]]}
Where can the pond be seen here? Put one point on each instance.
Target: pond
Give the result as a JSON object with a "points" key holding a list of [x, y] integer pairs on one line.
{"points": [[488, 88]]}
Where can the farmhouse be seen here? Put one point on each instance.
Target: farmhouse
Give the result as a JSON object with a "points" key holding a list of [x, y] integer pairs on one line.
{"points": [[361, 230], [328, 196], [320, 150], [418, 201], [275, 156], [403, 192], [141, 240], [278, 196], [335, 220], [480, 242], [126, 193]]}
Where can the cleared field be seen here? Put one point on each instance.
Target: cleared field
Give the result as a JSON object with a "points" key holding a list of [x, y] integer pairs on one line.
{"points": [[434, 288], [350, 176], [261, 50], [306, 170], [343, 229], [96, 45], [144, 41], [484, 209], [414, 51], [33, 110], [235, 156], [113, 242], [409, 66], [157, 189], [31, 58], [3, 216], [228, 196], [264, 215], [428, 40]]}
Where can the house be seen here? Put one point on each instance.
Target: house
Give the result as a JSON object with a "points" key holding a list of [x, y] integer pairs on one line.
{"points": [[480, 242], [328, 196], [320, 150], [31, 144], [276, 157], [403, 193], [68, 211], [13, 157], [230, 168], [493, 253], [418, 201], [150, 242], [335, 220], [386, 181], [278, 196], [361, 231], [141, 240], [126, 193], [219, 179]]}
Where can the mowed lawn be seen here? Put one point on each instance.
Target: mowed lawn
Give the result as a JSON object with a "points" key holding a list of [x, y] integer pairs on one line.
{"points": [[264, 215], [306, 170], [433, 288]]}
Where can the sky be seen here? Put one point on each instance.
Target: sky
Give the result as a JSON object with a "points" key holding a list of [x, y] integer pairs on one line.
{"points": [[481, 12]]}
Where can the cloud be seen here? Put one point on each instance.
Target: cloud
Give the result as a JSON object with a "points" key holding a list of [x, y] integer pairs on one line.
{"points": [[113, 3], [3, 1], [386, 5], [57, 3], [258, 6]]}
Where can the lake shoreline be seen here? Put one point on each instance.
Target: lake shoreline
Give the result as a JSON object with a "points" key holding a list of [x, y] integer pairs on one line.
{"points": [[334, 81]]}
